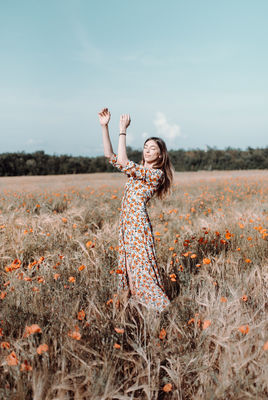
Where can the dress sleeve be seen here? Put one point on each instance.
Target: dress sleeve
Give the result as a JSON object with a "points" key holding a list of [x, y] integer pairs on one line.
{"points": [[148, 175]]}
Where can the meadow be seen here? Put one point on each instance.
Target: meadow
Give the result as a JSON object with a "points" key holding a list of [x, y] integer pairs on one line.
{"points": [[66, 334]]}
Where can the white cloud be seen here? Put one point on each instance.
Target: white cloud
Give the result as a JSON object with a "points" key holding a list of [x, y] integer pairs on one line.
{"points": [[165, 129]]}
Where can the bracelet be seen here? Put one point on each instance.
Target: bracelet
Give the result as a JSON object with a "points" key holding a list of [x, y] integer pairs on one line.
{"points": [[122, 133]]}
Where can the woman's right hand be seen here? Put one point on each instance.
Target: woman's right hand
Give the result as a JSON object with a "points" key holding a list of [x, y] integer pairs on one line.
{"points": [[104, 116]]}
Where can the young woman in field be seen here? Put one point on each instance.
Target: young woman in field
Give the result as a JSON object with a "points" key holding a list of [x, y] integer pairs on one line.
{"points": [[137, 262]]}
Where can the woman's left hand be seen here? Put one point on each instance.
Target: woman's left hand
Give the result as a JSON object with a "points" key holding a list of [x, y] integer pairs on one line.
{"points": [[124, 122]]}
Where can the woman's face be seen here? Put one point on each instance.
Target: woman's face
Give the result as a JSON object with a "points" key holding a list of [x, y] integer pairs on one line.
{"points": [[151, 151]]}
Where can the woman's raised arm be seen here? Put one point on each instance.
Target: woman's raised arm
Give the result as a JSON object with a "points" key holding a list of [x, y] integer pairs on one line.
{"points": [[122, 152], [104, 116]]}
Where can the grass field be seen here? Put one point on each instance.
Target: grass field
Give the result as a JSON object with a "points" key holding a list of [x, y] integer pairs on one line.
{"points": [[66, 334]]}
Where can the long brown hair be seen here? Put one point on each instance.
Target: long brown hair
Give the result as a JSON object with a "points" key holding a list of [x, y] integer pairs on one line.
{"points": [[164, 164]]}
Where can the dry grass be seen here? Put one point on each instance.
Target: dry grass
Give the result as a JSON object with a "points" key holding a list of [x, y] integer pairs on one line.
{"points": [[212, 249]]}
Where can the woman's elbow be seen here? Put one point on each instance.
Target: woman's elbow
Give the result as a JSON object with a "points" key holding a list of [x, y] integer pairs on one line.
{"points": [[122, 162]]}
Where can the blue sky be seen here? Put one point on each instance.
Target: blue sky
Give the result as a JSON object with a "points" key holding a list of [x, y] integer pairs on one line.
{"points": [[193, 72]]}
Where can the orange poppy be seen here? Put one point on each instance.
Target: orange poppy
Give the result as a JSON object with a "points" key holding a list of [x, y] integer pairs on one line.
{"points": [[42, 348], [244, 329], [30, 330], [25, 366], [206, 324], [167, 388], [5, 345], [75, 334], [81, 315], [12, 359], [162, 334], [119, 330]]}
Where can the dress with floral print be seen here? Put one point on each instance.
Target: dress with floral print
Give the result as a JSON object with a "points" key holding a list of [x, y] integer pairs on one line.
{"points": [[137, 263]]}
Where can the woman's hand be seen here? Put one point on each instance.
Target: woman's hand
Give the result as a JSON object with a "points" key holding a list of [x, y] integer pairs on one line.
{"points": [[104, 116], [124, 122]]}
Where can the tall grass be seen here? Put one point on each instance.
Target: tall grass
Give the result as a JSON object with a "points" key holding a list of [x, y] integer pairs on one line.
{"points": [[58, 261]]}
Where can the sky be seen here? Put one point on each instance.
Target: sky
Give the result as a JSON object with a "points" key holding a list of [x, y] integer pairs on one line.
{"points": [[193, 72]]}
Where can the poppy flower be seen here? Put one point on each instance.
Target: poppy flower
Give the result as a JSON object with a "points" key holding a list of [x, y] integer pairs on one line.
{"points": [[265, 346], [12, 359], [71, 279], [167, 388], [30, 330], [223, 299], [244, 297], [75, 334], [244, 329], [3, 295], [81, 315], [25, 366], [5, 345], [81, 267], [206, 324], [206, 261], [162, 334], [42, 348], [119, 330], [117, 346]]}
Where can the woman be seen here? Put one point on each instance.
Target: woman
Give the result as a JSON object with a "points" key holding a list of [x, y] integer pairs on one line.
{"points": [[137, 262]]}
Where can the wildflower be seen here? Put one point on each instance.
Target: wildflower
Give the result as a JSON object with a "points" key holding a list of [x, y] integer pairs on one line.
{"points": [[191, 321], [265, 346], [244, 329], [206, 324], [71, 279], [193, 256], [248, 260], [5, 345], [30, 330], [117, 346], [81, 315], [206, 261], [90, 244], [42, 348], [56, 276], [25, 366], [12, 359], [64, 220], [81, 267], [223, 299], [3, 295], [167, 388], [162, 334], [75, 334], [172, 277], [244, 297], [119, 330]]}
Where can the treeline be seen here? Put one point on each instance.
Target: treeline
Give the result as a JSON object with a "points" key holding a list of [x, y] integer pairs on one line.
{"points": [[39, 163]]}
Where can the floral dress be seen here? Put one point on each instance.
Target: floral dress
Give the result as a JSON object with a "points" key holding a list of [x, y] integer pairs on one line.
{"points": [[137, 264]]}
